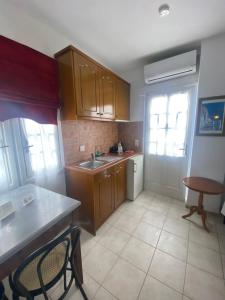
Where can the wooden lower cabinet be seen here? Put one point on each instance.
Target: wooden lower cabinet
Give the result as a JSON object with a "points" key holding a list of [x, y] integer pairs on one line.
{"points": [[120, 183], [104, 192], [100, 194]]}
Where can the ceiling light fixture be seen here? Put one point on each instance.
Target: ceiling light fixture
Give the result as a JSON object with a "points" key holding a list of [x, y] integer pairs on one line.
{"points": [[164, 10]]}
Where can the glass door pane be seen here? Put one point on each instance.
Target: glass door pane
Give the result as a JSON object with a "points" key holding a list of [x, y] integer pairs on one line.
{"points": [[168, 124]]}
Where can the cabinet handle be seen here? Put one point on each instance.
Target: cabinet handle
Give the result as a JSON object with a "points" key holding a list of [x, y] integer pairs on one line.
{"points": [[98, 113], [117, 172], [101, 114], [107, 175], [103, 77]]}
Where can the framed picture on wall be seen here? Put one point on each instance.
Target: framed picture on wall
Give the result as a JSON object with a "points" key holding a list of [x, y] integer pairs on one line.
{"points": [[211, 116]]}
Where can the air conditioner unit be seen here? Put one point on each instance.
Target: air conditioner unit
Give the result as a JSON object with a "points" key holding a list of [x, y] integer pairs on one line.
{"points": [[173, 67]]}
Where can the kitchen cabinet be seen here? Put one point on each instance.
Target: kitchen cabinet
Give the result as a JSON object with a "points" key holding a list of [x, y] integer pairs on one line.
{"points": [[122, 100], [108, 95], [86, 87], [104, 192], [88, 90], [99, 193], [120, 183]]}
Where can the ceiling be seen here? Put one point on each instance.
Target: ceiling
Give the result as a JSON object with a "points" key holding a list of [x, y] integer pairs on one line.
{"points": [[126, 33]]}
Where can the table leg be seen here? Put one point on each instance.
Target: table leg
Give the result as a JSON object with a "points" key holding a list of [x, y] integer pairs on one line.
{"points": [[200, 210]]}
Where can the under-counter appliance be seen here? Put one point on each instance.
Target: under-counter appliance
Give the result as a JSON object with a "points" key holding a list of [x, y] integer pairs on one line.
{"points": [[134, 176]]}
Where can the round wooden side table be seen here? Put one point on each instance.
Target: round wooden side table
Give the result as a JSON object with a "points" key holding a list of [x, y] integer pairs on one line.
{"points": [[203, 186]]}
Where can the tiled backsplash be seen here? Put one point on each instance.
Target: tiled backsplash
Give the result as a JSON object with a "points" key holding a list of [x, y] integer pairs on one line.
{"points": [[102, 135], [129, 132], [88, 133]]}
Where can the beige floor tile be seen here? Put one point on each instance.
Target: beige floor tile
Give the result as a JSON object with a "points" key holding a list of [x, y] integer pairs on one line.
{"points": [[87, 242], [127, 223], [113, 218], [159, 206], [154, 218], [147, 233], [205, 259], [99, 262], [124, 281], [176, 211], [155, 290], [176, 226], [178, 202], [102, 294], [135, 211], [101, 231], [200, 285], [144, 201], [220, 228], [196, 222], [138, 253], [223, 264], [114, 239], [185, 298], [168, 270], [222, 243], [173, 245], [200, 236]]}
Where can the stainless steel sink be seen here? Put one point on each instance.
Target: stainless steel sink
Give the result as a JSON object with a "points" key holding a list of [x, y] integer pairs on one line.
{"points": [[92, 164], [109, 158]]}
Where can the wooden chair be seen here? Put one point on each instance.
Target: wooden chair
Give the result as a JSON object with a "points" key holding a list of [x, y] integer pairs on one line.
{"points": [[40, 271]]}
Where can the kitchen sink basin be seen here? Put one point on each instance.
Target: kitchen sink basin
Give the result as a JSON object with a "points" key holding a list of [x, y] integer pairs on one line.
{"points": [[92, 164], [109, 158]]}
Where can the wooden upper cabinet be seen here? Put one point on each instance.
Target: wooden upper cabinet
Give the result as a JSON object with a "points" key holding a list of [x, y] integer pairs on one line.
{"points": [[87, 87], [107, 95], [122, 100], [89, 90]]}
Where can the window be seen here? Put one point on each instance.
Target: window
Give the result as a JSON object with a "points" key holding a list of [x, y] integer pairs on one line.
{"points": [[28, 150], [40, 146], [167, 124]]}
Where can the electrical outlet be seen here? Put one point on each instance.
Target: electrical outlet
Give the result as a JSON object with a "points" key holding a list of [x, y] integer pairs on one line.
{"points": [[82, 148], [136, 143]]}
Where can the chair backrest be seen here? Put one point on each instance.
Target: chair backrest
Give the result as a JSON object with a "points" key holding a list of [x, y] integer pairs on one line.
{"points": [[43, 268]]}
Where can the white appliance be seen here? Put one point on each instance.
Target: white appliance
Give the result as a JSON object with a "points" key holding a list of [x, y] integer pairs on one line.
{"points": [[176, 66], [134, 176]]}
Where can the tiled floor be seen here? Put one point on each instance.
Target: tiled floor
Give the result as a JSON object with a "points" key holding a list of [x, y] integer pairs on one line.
{"points": [[146, 251]]}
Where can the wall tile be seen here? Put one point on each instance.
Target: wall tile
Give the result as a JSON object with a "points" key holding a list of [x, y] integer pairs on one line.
{"points": [[128, 132], [88, 133]]}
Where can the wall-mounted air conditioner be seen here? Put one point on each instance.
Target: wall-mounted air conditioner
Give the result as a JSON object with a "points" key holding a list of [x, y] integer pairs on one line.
{"points": [[173, 67]]}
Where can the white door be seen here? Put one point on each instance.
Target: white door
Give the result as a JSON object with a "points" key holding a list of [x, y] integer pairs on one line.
{"points": [[167, 136]]}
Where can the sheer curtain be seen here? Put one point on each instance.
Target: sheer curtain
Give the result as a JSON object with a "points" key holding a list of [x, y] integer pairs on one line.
{"points": [[40, 144], [30, 153]]}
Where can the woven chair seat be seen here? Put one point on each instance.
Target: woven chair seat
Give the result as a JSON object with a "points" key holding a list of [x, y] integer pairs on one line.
{"points": [[51, 266]]}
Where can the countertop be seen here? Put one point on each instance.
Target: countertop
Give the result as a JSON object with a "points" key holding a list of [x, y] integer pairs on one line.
{"points": [[125, 156], [31, 220]]}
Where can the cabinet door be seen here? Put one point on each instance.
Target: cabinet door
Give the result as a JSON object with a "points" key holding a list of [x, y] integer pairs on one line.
{"points": [[122, 100], [87, 87], [120, 184], [104, 195], [107, 95]]}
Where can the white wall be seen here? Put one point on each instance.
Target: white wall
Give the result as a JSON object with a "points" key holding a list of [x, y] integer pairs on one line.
{"points": [[208, 158], [17, 25]]}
